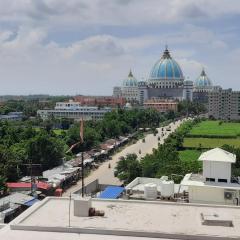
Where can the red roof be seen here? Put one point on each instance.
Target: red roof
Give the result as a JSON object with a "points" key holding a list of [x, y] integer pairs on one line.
{"points": [[40, 185]]}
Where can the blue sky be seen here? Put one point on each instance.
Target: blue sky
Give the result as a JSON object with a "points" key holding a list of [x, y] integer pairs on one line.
{"points": [[87, 47]]}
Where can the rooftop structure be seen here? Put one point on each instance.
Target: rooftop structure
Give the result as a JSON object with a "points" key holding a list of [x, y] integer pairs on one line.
{"points": [[218, 155], [215, 185], [123, 219]]}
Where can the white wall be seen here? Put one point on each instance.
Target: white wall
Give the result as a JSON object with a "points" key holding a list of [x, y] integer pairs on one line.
{"points": [[209, 195], [217, 170]]}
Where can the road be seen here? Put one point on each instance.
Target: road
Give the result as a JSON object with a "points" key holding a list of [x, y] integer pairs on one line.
{"points": [[105, 175]]}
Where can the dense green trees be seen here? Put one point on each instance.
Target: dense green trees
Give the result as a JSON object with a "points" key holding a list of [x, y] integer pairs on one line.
{"points": [[21, 144], [45, 149], [236, 166], [187, 107]]}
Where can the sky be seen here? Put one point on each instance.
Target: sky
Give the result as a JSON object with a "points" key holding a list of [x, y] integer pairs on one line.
{"points": [[87, 47]]}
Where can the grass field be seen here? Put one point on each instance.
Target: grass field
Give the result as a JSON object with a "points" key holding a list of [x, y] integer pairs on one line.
{"points": [[213, 128], [188, 155], [56, 131], [210, 142], [189, 159]]}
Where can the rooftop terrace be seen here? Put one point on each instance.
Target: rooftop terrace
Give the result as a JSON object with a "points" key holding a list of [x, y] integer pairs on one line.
{"points": [[131, 218]]}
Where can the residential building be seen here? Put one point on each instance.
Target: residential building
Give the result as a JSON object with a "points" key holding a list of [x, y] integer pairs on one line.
{"points": [[224, 104]]}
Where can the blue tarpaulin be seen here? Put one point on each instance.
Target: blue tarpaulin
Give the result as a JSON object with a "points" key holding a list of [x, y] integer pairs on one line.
{"points": [[111, 192], [31, 202]]}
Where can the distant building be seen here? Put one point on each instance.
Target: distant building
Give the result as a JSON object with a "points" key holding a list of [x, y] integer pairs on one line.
{"points": [[101, 101], [12, 116], [117, 93], [224, 104], [74, 110], [161, 105]]}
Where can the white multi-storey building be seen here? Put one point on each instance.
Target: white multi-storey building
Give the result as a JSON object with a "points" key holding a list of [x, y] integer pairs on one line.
{"points": [[75, 111]]}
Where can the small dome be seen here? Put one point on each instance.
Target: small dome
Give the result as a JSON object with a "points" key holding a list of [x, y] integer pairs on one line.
{"points": [[166, 68], [203, 80], [131, 81]]}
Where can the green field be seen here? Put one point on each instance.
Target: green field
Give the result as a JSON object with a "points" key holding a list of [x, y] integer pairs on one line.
{"points": [[210, 142], [189, 159], [56, 131], [188, 155], [213, 128]]}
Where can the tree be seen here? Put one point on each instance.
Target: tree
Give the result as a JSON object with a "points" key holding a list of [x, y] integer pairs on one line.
{"points": [[128, 168], [9, 169], [46, 150]]}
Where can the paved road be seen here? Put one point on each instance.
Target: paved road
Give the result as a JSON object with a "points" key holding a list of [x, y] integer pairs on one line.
{"points": [[105, 175]]}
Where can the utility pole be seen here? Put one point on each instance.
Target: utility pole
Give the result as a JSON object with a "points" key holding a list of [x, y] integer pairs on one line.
{"points": [[82, 175], [30, 165]]}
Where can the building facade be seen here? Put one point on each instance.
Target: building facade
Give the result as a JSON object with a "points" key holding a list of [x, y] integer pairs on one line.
{"points": [[102, 101], [161, 105], [74, 110], [224, 104]]}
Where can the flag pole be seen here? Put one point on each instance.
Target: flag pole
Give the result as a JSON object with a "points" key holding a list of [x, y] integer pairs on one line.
{"points": [[82, 165], [82, 176]]}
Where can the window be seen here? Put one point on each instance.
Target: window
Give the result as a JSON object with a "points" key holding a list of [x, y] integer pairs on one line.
{"points": [[222, 180], [210, 179]]}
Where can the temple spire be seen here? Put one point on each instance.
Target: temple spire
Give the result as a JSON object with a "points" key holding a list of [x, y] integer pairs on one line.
{"points": [[166, 53], [130, 73], [203, 73]]}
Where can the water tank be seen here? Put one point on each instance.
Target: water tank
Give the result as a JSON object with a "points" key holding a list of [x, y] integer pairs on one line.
{"points": [[150, 191], [167, 189]]}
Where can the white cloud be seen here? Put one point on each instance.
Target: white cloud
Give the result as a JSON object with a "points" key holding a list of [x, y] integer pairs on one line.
{"points": [[33, 61], [52, 13]]}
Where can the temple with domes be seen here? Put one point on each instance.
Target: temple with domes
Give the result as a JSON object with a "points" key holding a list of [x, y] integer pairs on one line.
{"points": [[166, 81]]}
